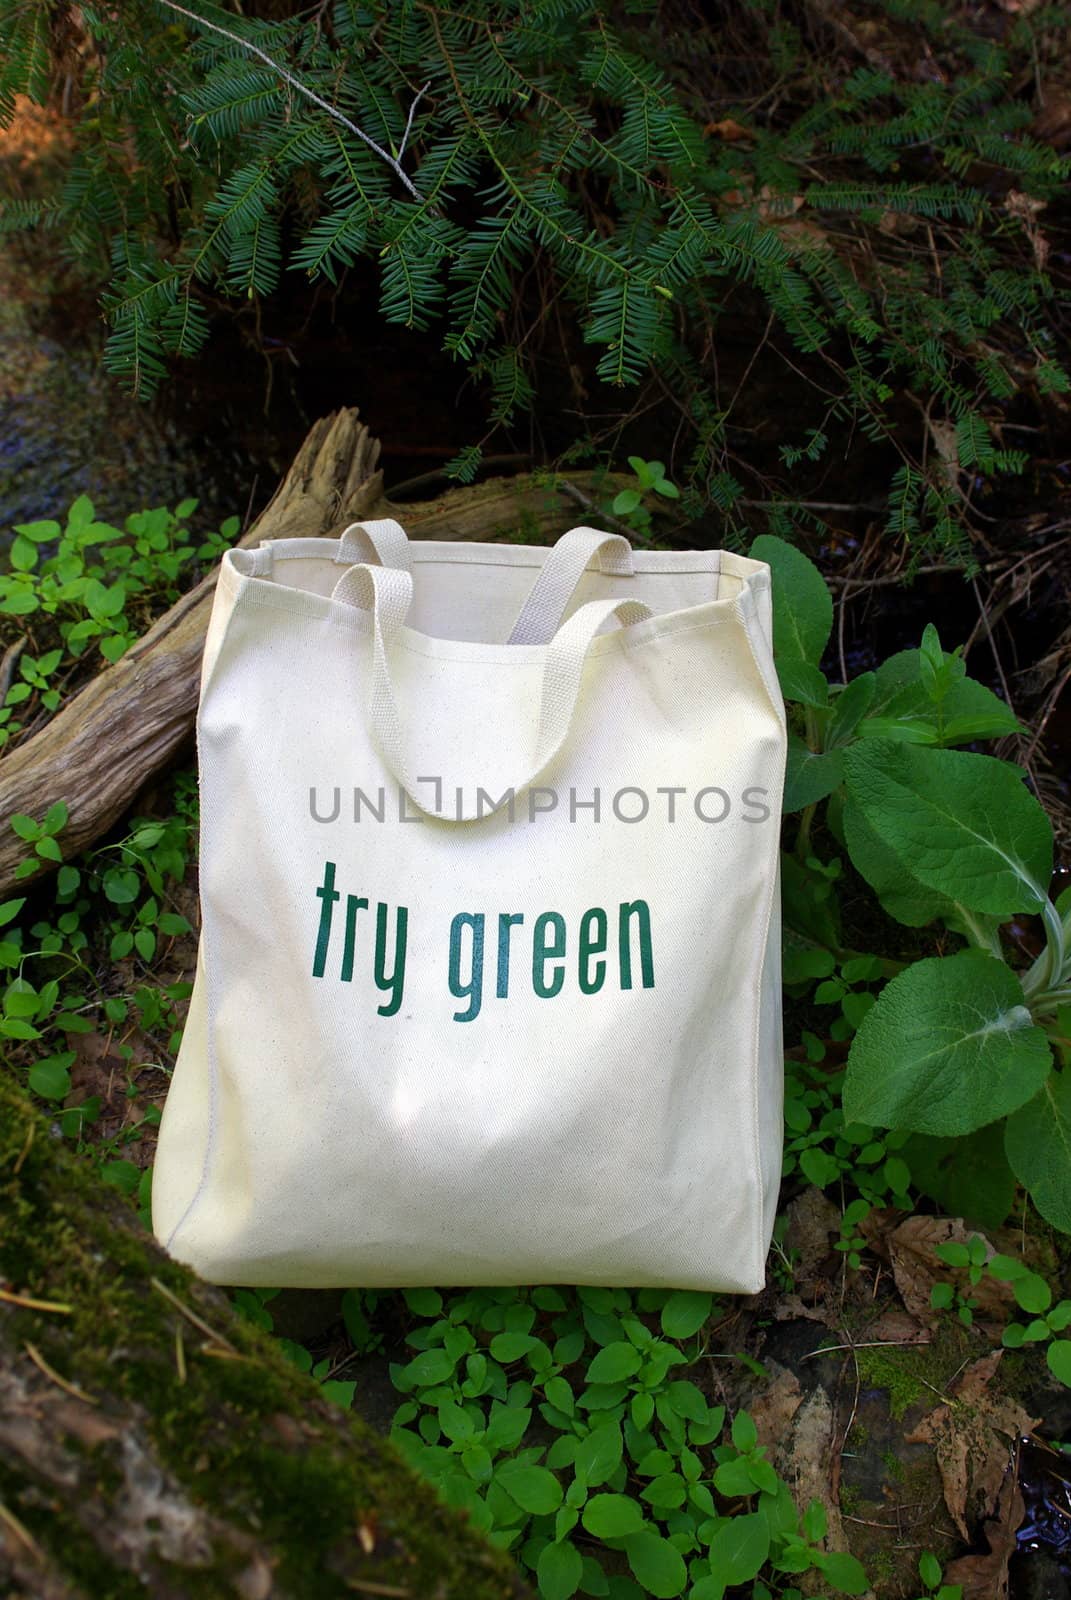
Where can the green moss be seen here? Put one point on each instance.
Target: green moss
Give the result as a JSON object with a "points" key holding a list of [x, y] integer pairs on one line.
{"points": [[250, 1436], [893, 1466], [915, 1374]]}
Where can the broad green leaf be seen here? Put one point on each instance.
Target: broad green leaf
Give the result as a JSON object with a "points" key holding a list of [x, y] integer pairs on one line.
{"points": [[507, 1347], [802, 605], [901, 696], [611, 1516], [38, 532], [613, 1363], [968, 1177], [949, 1047], [10, 910], [844, 1572], [901, 895], [533, 1488], [50, 1079], [962, 824], [739, 1549], [1038, 1143], [23, 554], [685, 1312], [810, 776], [849, 707], [802, 682], [429, 1368], [656, 1565], [599, 1453], [559, 1570], [1058, 1356], [744, 1432]]}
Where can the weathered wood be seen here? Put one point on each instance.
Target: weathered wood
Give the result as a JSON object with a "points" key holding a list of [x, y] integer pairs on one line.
{"points": [[153, 1442], [128, 721]]}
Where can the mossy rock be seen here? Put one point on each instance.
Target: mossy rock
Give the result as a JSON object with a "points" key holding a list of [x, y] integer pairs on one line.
{"points": [[152, 1441]]}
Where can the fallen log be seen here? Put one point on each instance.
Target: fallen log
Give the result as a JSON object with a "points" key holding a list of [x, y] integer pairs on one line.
{"points": [[154, 1442], [108, 740]]}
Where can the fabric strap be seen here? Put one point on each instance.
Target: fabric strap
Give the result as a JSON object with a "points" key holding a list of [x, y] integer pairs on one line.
{"points": [[576, 551], [384, 542], [388, 593]]}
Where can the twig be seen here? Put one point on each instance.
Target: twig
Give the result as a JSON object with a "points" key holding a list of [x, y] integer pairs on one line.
{"points": [[417, 98], [874, 1344], [8, 663], [54, 1377], [9, 1520], [28, 1303], [367, 1586], [191, 1316], [295, 83]]}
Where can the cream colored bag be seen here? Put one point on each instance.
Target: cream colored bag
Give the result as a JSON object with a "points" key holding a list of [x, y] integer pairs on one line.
{"points": [[489, 978]]}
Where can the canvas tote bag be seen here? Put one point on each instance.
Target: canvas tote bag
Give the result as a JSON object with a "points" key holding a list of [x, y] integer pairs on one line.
{"points": [[488, 989]]}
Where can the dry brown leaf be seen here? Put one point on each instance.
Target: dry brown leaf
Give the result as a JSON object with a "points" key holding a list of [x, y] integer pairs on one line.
{"points": [[895, 1327], [916, 1269], [986, 1577], [728, 129], [972, 1437], [813, 1229]]}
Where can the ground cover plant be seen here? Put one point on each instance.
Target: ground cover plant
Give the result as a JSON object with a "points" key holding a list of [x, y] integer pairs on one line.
{"points": [[590, 1432]]}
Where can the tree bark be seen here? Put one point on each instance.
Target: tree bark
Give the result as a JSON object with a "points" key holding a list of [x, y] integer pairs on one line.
{"points": [[105, 743], [151, 1441]]}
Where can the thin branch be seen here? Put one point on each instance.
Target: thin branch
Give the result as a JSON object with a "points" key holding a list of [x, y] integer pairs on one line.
{"points": [[310, 94], [409, 119]]}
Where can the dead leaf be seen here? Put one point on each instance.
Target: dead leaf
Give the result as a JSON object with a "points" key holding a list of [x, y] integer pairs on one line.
{"points": [[916, 1269], [986, 1577], [972, 1437], [813, 1229], [728, 129], [895, 1327]]}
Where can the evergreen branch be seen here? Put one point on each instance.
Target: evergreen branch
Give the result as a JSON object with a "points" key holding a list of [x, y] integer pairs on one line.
{"points": [[295, 83]]}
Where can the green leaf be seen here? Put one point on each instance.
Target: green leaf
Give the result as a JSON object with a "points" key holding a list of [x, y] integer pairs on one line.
{"points": [[1038, 1145], [802, 605], [740, 1548], [612, 1364], [949, 1047], [1058, 1355], [23, 554], [849, 707], [123, 1175], [1032, 1293], [48, 849], [9, 910], [929, 1569], [611, 1516], [843, 1571], [533, 1488], [685, 1312], [656, 1564], [38, 532], [25, 826], [50, 1079], [428, 1369], [803, 682], [56, 817], [598, 1454], [809, 775], [745, 1434], [559, 1570], [507, 1347], [963, 824], [968, 1177]]}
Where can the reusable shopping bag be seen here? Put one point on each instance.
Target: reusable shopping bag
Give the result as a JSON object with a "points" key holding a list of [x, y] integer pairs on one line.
{"points": [[488, 988]]}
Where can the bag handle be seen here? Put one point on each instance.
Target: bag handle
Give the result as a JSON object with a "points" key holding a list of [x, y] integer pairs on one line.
{"points": [[541, 615], [384, 542], [388, 593]]}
